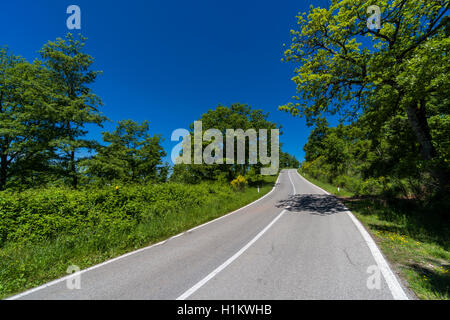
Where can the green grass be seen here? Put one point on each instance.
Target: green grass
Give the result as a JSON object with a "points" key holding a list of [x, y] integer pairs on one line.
{"points": [[328, 187], [410, 234], [27, 264]]}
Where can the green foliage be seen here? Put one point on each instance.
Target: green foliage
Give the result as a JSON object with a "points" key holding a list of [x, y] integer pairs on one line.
{"points": [[44, 107], [350, 183], [370, 186], [38, 215], [413, 234], [404, 73], [239, 183], [254, 177], [334, 68], [131, 156], [27, 122], [367, 161], [378, 154], [288, 161], [237, 116], [44, 231], [74, 103]]}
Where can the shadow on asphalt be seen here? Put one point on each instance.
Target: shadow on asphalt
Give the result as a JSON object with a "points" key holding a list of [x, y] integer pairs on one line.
{"points": [[312, 203]]}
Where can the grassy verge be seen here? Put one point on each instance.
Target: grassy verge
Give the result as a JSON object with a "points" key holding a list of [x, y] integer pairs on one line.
{"points": [[328, 187], [414, 239], [30, 263]]}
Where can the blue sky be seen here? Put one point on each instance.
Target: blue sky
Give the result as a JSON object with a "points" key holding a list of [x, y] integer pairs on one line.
{"points": [[170, 61]]}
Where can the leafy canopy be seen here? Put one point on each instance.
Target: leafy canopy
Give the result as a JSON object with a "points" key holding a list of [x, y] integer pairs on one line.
{"points": [[343, 66]]}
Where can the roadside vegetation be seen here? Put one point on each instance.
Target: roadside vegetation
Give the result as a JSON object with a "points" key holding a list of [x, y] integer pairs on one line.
{"points": [[388, 154], [66, 199], [43, 232], [411, 234]]}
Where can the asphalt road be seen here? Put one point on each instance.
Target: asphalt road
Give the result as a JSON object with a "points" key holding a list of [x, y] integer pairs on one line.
{"points": [[295, 243]]}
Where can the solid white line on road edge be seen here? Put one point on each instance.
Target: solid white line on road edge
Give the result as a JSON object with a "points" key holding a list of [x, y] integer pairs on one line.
{"points": [[49, 284], [303, 178], [199, 284], [392, 282], [293, 186], [394, 286], [219, 218]]}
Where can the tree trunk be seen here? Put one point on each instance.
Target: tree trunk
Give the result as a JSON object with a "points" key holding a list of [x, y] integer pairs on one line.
{"points": [[3, 172], [3, 156], [73, 169], [418, 120]]}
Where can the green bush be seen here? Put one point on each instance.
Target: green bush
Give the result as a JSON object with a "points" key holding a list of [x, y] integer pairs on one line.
{"points": [[37, 215], [350, 183], [371, 186], [318, 169], [44, 231], [239, 183]]}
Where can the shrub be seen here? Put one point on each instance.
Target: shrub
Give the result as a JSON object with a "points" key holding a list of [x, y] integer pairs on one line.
{"points": [[371, 186], [239, 183], [39, 215], [340, 181], [253, 177], [350, 183]]}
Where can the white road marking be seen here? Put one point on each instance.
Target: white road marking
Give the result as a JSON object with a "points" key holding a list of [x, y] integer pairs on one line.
{"points": [[306, 180], [392, 282], [81, 272], [202, 282], [25, 293], [293, 186], [394, 286], [199, 284]]}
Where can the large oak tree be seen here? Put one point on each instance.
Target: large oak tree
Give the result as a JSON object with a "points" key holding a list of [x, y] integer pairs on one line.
{"points": [[345, 68]]}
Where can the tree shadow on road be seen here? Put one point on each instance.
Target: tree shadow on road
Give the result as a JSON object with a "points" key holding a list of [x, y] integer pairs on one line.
{"points": [[319, 204]]}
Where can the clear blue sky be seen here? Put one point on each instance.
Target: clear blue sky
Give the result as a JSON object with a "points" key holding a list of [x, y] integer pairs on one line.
{"points": [[170, 61]]}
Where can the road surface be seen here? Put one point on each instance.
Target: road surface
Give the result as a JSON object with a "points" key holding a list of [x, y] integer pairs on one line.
{"points": [[297, 242]]}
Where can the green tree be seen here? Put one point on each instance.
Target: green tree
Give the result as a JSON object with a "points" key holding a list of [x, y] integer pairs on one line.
{"points": [[288, 161], [73, 101], [27, 121], [236, 116], [314, 147], [132, 155], [345, 68]]}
